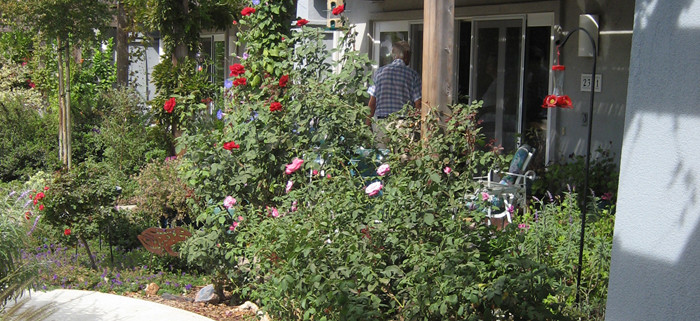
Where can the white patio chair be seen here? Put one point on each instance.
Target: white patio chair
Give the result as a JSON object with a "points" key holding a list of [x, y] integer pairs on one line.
{"points": [[507, 190]]}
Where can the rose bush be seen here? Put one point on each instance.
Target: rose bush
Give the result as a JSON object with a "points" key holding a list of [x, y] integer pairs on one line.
{"points": [[314, 243]]}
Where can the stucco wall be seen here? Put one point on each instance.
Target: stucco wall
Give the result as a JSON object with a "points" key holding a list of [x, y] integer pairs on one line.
{"points": [[656, 249]]}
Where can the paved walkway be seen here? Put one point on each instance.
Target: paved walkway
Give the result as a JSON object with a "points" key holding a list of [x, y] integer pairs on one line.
{"points": [[76, 305]]}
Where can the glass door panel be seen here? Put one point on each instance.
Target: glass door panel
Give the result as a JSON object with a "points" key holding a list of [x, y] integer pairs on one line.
{"points": [[496, 78]]}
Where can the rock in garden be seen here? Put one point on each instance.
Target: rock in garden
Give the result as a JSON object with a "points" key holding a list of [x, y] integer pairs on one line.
{"points": [[152, 289], [207, 295]]}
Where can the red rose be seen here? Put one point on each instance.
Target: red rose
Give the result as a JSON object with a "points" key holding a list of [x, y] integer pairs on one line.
{"points": [[46, 188], [239, 81], [66, 232], [27, 215], [36, 201], [302, 22], [231, 145], [338, 10], [283, 80], [247, 11], [39, 196], [275, 106], [169, 105], [41, 207], [236, 70]]}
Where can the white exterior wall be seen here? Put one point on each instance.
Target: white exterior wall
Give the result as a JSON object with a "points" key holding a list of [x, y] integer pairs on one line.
{"points": [[656, 249]]}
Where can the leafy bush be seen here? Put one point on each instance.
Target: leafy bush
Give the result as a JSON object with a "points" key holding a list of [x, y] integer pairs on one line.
{"points": [[80, 201], [161, 195], [603, 176], [17, 212], [289, 216], [552, 235], [27, 141]]}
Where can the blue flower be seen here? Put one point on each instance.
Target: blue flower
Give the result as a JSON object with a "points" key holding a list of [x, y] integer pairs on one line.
{"points": [[228, 83], [256, 2], [219, 114]]}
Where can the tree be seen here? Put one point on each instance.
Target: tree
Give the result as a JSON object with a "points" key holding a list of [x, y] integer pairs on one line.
{"points": [[181, 21], [65, 23]]}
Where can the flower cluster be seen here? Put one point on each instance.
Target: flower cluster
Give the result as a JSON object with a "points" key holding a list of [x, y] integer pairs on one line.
{"points": [[231, 145], [275, 106], [169, 105]]}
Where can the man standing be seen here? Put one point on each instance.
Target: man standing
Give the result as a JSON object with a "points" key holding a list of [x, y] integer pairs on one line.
{"points": [[395, 85]]}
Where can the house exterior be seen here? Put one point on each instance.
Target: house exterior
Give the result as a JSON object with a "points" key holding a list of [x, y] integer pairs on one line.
{"points": [[503, 53]]}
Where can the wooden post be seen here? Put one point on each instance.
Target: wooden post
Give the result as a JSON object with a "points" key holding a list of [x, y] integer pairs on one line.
{"points": [[438, 52]]}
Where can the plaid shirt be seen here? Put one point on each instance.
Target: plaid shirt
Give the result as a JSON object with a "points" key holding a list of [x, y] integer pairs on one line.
{"points": [[395, 85]]}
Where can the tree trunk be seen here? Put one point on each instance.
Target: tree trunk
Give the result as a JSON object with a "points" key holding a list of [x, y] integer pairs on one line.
{"points": [[89, 253], [67, 113], [180, 51], [122, 47], [61, 107]]}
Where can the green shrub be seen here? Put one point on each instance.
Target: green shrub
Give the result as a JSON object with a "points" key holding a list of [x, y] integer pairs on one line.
{"points": [[552, 235], [308, 241], [558, 178], [80, 202], [161, 195]]}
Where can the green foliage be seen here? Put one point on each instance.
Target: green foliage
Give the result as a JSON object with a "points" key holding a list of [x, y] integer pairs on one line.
{"points": [[71, 20], [188, 86], [17, 211], [161, 193], [27, 140], [179, 24], [603, 176], [552, 234], [323, 248], [81, 199], [94, 74]]}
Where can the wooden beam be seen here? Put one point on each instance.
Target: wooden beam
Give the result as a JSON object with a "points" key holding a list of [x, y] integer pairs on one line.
{"points": [[438, 54]]}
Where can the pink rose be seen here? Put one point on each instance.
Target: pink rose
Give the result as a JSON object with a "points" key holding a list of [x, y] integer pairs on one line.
{"points": [[240, 218], [296, 164], [289, 187], [314, 172], [447, 170], [229, 202], [383, 170], [273, 211], [374, 188], [294, 206], [484, 196], [233, 226]]}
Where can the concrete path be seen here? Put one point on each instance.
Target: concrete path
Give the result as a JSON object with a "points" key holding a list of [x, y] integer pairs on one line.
{"points": [[76, 305]]}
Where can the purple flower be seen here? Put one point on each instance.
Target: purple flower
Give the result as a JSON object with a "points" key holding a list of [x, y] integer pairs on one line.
{"points": [[256, 2], [34, 225], [219, 114], [228, 83], [245, 56]]}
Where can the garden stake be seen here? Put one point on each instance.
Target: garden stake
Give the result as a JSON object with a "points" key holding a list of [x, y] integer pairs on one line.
{"points": [[588, 158]]}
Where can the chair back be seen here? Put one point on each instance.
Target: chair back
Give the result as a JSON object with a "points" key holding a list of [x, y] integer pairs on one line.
{"points": [[519, 164]]}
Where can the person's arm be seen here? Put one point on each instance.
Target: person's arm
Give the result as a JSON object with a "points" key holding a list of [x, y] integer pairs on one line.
{"points": [[372, 107]]}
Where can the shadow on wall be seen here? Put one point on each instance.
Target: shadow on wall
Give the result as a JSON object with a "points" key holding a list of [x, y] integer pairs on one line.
{"points": [[679, 304], [656, 248]]}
